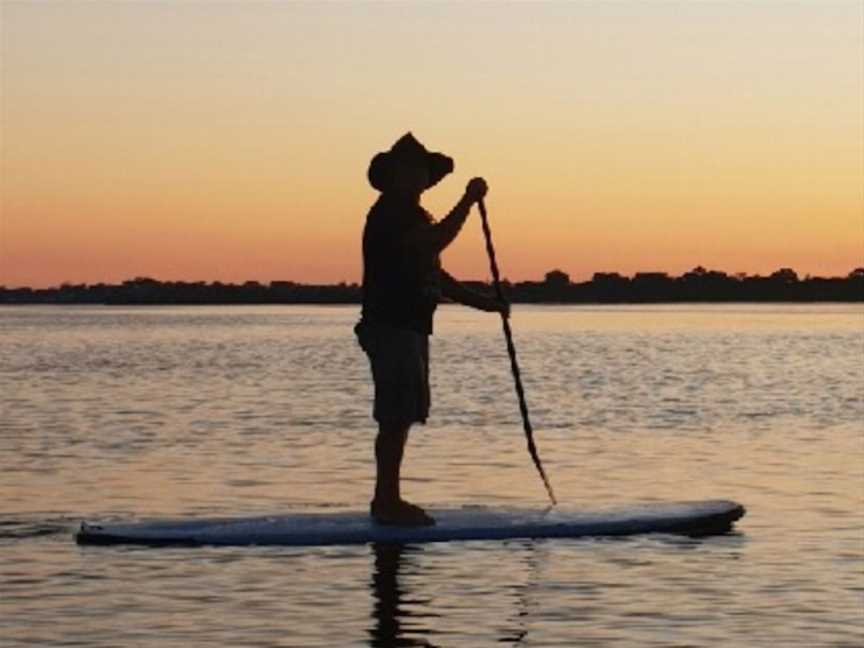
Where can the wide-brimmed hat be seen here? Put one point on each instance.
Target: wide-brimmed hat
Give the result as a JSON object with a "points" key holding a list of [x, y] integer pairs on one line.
{"points": [[407, 150]]}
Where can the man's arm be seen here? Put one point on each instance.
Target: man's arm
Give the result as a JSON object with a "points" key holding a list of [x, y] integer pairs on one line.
{"points": [[438, 236], [454, 290]]}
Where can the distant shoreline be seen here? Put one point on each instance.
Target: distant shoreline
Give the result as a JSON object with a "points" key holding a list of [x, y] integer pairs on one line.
{"points": [[697, 286]]}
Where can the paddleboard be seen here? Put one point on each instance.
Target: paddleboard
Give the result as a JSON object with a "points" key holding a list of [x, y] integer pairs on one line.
{"points": [[466, 523]]}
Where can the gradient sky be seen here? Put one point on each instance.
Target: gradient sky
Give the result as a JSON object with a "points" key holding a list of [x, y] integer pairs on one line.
{"points": [[230, 141]]}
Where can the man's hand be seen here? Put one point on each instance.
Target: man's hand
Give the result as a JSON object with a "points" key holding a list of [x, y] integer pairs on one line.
{"points": [[476, 190]]}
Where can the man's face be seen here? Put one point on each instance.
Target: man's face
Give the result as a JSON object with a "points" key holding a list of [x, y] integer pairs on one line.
{"points": [[411, 179]]}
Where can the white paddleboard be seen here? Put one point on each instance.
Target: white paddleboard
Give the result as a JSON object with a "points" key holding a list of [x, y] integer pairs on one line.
{"points": [[467, 523]]}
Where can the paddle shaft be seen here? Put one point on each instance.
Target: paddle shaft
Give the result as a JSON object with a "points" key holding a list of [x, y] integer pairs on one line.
{"points": [[511, 350]]}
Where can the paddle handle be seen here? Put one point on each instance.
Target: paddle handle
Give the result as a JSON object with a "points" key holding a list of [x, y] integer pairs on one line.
{"points": [[511, 351]]}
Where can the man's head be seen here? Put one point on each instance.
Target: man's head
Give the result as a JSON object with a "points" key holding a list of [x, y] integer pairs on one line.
{"points": [[410, 178], [408, 169]]}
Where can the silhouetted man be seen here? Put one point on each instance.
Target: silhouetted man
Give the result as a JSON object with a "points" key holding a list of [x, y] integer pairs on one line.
{"points": [[402, 281]]}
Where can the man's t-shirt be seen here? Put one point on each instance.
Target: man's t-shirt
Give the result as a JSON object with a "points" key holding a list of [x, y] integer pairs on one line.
{"points": [[400, 278]]}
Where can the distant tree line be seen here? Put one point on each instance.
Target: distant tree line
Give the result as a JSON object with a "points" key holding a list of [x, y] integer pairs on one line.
{"points": [[698, 285]]}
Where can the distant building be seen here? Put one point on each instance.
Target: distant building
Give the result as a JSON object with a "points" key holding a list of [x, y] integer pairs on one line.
{"points": [[557, 279], [605, 278], [785, 275]]}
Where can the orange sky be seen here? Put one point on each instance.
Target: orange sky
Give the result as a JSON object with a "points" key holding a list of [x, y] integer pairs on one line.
{"points": [[229, 141]]}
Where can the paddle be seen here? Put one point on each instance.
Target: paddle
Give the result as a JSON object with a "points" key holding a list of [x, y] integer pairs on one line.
{"points": [[511, 350]]}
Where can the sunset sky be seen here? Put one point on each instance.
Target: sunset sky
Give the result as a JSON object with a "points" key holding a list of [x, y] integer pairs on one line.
{"points": [[230, 141]]}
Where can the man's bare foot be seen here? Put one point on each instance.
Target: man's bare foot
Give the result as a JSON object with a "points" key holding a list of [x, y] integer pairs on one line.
{"points": [[399, 513]]}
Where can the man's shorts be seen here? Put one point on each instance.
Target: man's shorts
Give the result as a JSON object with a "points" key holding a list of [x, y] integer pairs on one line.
{"points": [[400, 369]]}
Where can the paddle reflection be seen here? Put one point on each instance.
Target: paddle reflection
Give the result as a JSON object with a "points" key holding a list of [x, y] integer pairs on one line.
{"points": [[396, 619]]}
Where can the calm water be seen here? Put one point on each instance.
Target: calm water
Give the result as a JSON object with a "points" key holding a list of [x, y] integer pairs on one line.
{"points": [[165, 411]]}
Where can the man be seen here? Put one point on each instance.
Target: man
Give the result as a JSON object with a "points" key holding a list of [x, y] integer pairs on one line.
{"points": [[402, 281]]}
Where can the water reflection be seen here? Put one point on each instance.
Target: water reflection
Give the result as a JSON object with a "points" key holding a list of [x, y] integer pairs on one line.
{"points": [[420, 595], [403, 616], [394, 615]]}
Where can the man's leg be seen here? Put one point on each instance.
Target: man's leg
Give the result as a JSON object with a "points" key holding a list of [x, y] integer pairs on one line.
{"points": [[389, 449], [388, 507]]}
